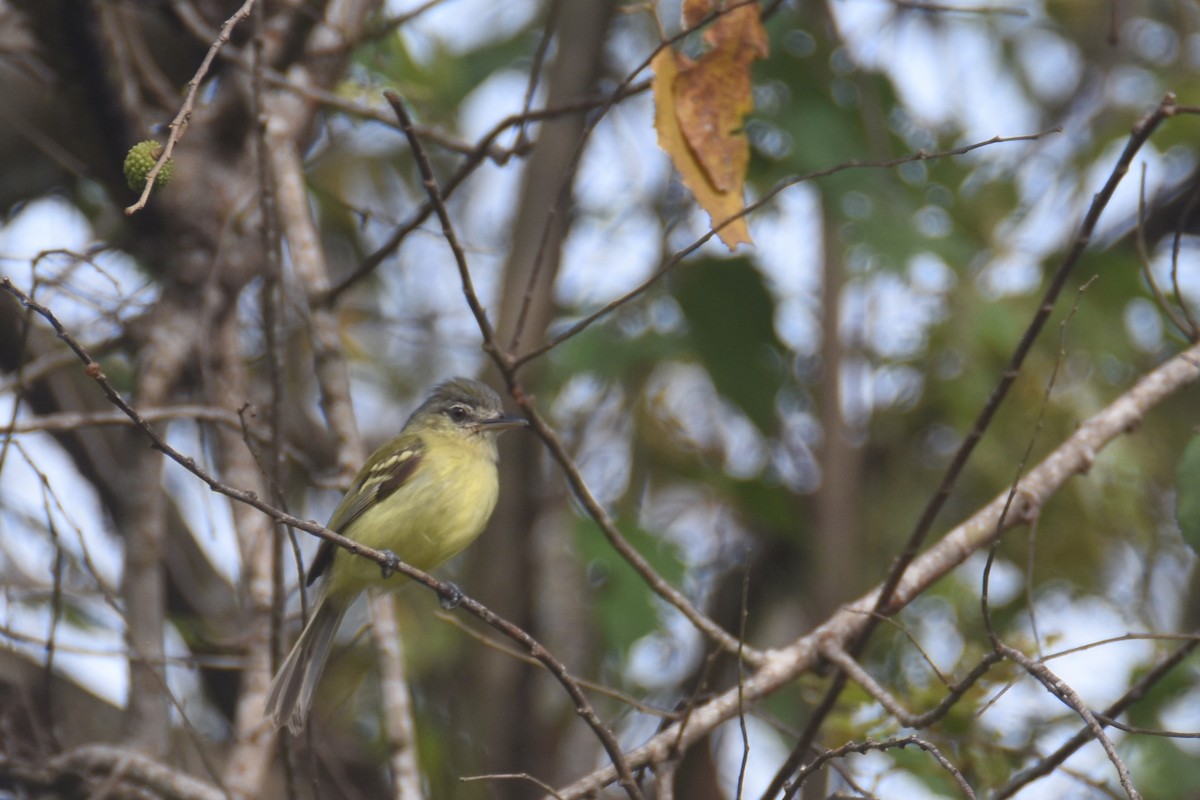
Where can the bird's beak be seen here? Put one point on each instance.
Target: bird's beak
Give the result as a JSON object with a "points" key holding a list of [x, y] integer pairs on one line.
{"points": [[503, 423]]}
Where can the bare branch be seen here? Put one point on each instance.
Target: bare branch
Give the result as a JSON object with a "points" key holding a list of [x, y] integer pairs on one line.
{"points": [[1073, 457], [943, 8], [1135, 692], [397, 704], [439, 207], [728, 643], [1142, 130], [869, 746], [116, 766], [678, 256], [448, 591], [908, 719], [67, 420], [180, 123]]}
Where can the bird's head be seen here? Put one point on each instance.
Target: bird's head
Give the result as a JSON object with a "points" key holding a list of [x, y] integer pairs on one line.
{"points": [[465, 406]]}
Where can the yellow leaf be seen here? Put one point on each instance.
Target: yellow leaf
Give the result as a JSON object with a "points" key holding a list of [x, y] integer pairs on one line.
{"points": [[710, 103], [699, 111]]}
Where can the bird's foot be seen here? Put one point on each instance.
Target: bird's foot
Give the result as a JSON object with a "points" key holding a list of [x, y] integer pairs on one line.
{"points": [[450, 597], [391, 565]]}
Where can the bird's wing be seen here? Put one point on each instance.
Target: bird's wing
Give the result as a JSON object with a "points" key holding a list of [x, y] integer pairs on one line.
{"points": [[391, 466]]}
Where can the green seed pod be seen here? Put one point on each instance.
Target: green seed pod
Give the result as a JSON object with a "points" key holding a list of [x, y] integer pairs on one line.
{"points": [[140, 160]]}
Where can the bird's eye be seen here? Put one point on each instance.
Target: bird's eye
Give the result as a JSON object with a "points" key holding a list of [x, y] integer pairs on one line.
{"points": [[458, 413]]}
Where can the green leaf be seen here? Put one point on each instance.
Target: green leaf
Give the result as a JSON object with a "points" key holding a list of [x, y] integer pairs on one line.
{"points": [[606, 351], [1187, 494], [731, 322], [622, 600]]}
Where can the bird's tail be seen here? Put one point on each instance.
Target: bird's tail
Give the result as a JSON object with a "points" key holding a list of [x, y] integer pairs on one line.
{"points": [[292, 690]]}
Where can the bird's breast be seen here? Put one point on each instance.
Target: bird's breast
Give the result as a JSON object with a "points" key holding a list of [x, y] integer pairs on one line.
{"points": [[442, 508]]}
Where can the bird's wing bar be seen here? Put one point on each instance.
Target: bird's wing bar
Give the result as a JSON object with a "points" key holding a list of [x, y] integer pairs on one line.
{"points": [[375, 483]]}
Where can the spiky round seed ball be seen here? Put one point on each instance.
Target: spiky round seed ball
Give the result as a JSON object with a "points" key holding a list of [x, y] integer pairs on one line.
{"points": [[140, 160]]}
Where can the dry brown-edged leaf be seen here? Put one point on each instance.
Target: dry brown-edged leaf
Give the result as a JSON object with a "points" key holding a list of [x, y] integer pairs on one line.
{"points": [[700, 107], [694, 11]]}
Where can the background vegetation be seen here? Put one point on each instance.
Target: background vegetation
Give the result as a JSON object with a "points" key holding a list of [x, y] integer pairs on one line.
{"points": [[751, 524]]}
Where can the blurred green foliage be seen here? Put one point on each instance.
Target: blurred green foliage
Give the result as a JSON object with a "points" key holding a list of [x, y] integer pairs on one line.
{"points": [[754, 453]]}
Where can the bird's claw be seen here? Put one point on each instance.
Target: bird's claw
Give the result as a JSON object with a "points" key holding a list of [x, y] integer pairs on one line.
{"points": [[450, 597], [391, 565]]}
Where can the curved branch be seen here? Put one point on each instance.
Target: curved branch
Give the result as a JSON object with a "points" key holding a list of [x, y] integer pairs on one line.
{"points": [[387, 561], [780, 666]]}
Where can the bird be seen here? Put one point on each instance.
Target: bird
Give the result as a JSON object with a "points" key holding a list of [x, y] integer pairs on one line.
{"points": [[422, 496]]}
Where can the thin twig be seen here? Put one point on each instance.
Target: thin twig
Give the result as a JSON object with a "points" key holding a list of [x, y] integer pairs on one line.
{"points": [[1127, 637], [837, 655], [592, 686], [1193, 328], [889, 744], [728, 643], [1142, 130], [1054, 684], [502, 359], [439, 208], [1144, 259], [483, 149], [599, 110], [1104, 719], [47, 363], [204, 32], [535, 71], [1051, 762], [1063, 691], [386, 560], [135, 767], [75, 420], [216, 662], [513, 776], [56, 613], [679, 255], [559, 670], [180, 123], [1073, 457], [741, 683], [942, 8]]}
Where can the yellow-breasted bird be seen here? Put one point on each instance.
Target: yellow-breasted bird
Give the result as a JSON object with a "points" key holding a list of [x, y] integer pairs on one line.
{"points": [[424, 496]]}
